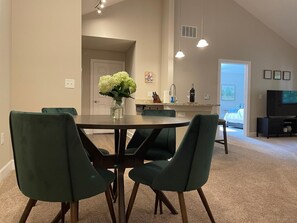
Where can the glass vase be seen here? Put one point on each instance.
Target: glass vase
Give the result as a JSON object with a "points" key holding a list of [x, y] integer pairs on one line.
{"points": [[117, 109]]}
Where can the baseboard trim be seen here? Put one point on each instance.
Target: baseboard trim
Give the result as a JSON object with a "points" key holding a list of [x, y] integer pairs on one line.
{"points": [[6, 169]]}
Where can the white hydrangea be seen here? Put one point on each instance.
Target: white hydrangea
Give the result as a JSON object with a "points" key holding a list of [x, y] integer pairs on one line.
{"points": [[118, 85]]}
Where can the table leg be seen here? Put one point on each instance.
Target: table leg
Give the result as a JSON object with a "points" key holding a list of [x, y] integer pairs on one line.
{"points": [[120, 175], [116, 151], [121, 195]]}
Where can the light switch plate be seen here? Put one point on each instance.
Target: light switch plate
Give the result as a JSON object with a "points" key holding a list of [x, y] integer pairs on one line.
{"points": [[2, 138], [69, 83]]}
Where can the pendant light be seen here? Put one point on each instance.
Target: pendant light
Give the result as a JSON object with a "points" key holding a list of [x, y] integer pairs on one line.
{"points": [[202, 42], [179, 53]]}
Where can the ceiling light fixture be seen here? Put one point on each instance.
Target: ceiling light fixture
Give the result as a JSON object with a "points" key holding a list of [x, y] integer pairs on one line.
{"points": [[100, 5], [202, 42], [179, 53]]}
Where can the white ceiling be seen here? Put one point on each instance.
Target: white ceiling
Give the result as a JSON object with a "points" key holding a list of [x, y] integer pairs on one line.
{"points": [[279, 15], [108, 44]]}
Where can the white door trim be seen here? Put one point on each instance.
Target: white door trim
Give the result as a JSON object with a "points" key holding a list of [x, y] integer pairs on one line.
{"points": [[247, 88]]}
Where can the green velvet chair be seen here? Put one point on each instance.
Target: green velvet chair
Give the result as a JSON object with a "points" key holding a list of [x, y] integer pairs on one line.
{"points": [[71, 111], [164, 145], [189, 168], [163, 148], [51, 164]]}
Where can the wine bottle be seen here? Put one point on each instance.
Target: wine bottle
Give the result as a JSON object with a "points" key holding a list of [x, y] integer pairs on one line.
{"points": [[192, 94]]}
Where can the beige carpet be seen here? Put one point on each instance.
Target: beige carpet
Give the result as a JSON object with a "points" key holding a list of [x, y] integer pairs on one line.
{"points": [[255, 182]]}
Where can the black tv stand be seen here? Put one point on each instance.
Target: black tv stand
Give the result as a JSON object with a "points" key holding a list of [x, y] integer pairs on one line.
{"points": [[277, 126]]}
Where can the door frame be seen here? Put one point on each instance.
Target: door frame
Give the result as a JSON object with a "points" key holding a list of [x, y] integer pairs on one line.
{"points": [[247, 89], [91, 78]]}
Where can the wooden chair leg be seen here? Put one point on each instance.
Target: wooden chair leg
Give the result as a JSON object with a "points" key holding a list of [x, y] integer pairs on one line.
{"points": [[204, 201], [156, 204], [183, 209], [30, 204], [110, 205], [63, 211], [73, 211], [60, 217], [131, 201], [161, 206], [225, 138], [162, 197], [114, 187]]}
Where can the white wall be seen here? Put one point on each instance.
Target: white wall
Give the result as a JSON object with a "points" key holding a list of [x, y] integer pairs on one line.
{"points": [[5, 36], [46, 49], [233, 34]]}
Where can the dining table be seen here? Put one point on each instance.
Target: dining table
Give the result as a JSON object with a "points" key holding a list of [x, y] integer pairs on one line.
{"points": [[119, 160]]}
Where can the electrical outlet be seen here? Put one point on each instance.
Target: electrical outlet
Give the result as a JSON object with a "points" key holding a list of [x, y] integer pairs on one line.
{"points": [[149, 93], [2, 138], [206, 97], [69, 83]]}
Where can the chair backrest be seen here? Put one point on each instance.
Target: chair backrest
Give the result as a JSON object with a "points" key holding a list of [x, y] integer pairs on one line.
{"points": [[189, 168], [69, 110], [166, 140], [50, 161]]}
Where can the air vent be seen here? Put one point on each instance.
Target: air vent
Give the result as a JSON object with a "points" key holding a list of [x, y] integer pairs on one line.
{"points": [[189, 31]]}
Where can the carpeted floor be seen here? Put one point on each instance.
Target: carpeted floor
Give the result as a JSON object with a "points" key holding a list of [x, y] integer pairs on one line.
{"points": [[255, 182]]}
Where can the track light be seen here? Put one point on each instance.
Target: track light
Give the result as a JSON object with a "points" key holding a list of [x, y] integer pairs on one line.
{"points": [[100, 5]]}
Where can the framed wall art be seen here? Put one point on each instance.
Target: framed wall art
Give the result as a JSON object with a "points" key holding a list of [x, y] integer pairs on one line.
{"points": [[148, 77], [277, 74], [286, 75], [228, 92], [267, 74]]}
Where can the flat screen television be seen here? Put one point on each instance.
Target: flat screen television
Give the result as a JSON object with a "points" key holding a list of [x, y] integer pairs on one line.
{"points": [[281, 103]]}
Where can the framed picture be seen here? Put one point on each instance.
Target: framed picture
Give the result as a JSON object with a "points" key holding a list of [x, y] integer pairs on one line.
{"points": [[267, 74], [277, 74], [148, 77], [286, 75], [228, 92]]}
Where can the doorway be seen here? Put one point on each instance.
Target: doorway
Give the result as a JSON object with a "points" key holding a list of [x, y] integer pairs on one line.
{"points": [[233, 90], [99, 104]]}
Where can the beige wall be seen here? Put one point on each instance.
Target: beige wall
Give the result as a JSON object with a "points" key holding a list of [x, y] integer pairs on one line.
{"points": [[5, 33], [46, 49], [40, 47], [140, 21]]}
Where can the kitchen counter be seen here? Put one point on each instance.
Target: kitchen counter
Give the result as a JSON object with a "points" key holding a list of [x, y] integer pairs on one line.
{"points": [[187, 109], [178, 107]]}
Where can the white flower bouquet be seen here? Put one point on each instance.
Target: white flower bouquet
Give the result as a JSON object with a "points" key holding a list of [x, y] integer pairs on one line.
{"points": [[117, 86]]}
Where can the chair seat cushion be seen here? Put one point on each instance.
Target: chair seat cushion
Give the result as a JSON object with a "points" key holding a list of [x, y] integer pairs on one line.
{"points": [[106, 174], [153, 153], [146, 173]]}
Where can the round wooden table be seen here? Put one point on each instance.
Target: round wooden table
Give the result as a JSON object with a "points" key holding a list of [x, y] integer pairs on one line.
{"points": [[120, 160]]}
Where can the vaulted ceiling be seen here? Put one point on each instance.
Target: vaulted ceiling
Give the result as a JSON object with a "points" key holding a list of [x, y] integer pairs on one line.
{"points": [[279, 15]]}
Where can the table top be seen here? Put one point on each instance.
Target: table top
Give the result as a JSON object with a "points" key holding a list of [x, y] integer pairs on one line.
{"points": [[128, 122]]}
